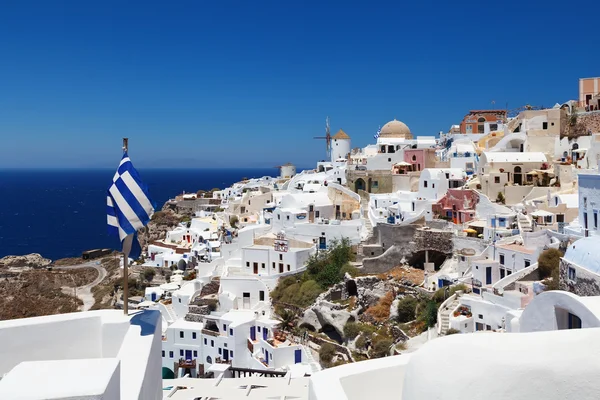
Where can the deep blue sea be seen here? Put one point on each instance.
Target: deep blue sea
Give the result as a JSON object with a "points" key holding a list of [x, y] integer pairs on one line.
{"points": [[60, 213]]}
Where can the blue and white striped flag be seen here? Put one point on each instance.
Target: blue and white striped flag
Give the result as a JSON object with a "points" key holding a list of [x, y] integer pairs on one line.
{"points": [[376, 135], [129, 207]]}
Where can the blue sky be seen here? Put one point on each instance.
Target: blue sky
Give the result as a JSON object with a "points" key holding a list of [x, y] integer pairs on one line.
{"points": [[248, 84]]}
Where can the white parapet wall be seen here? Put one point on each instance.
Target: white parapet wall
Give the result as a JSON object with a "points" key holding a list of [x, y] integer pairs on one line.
{"points": [[130, 345]]}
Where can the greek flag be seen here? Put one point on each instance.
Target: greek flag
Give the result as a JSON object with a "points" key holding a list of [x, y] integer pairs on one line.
{"points": [[376, 135], [129, 207]]}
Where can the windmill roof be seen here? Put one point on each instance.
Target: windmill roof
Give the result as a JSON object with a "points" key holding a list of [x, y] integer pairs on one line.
{"points": [[341, 135]]}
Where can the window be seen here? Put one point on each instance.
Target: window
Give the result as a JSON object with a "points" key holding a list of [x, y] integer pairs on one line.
{"points": [[288, 267], [230, 353], [230, 332], [205, 341], [278, 216], [170, 354], [502, 273], [480, 316], [478, 326], [181, 353], [488, 328], [493, 127], [212, 343], [181, 334], [281, 257], [527, 263], [375, 184], [572, 274], [560, 218], [433, 185], [261, 295], [224, 328], [219, 351], [501, 259], [163, 353], [389, 159], [424, 183], [496, 179], [544, 125], [574, 321], [263, 265], [317, 214], [258, 329], [193, 335], [273, 264], [247, 264], [209, 360], [596, 219], [195, 353], [288, 217], [585, 203], [224, 344]]}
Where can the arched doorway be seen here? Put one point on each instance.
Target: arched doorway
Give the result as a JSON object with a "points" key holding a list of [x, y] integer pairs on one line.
{"points": [[359, 184], [351, 288], [518, 178], [370, 184], [480, 125], [181, 265]]}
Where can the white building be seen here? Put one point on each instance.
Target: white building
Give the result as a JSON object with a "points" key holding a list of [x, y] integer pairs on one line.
{"points": [[340, 146], [93, 354]]}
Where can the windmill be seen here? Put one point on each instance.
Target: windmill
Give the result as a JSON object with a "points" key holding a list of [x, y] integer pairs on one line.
{"points": [[327, 138]]}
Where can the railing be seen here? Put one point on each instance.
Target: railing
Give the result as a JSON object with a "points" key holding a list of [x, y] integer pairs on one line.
{"points": [[187, 363]]}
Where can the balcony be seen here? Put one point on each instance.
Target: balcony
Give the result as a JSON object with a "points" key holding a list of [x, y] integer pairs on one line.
{"points": [[187, 363]]}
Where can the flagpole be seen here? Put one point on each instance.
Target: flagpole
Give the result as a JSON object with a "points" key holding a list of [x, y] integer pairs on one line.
{"points": [[125, 259]]}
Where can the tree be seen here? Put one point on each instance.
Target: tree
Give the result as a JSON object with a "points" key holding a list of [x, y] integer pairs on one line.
{"points": [[286, 318], [429, 314], [233, 221], [406, 309], [548, 262], [500, 198]]}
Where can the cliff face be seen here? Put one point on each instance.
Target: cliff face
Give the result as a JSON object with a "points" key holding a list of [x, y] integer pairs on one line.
{"points": [[162, 222], [33, 260]]}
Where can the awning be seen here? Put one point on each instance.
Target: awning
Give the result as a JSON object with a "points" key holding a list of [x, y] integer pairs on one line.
{"points": [[469, 230], [477, 224], [403, 164]]}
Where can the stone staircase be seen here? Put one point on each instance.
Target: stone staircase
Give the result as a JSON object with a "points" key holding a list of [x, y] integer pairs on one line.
{"points": [[445, 316], [524, 223]]}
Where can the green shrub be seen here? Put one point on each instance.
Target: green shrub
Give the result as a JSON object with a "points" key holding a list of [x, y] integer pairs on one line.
{"points": [[233, 221], [452, 331], [361, 342], [440, 295], [351, 330], [326, 352], [428, 314], [548, 262], [406, 309], [381, 348], [148, 274]]}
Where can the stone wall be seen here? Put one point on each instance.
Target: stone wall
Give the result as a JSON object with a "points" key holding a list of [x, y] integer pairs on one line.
{"points": [[400, 242], [586, 283]]}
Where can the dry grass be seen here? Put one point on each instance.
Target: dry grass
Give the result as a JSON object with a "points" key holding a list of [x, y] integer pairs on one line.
{"points": [[411, 274], [37, 293], [68, 261], [381, 311]]}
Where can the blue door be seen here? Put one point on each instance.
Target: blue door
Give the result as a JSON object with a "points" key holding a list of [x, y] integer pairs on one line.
{"points": [[153, 296], [298, 356], [322, 243], [488, 276], [225, 355], [252, 333], [267, 356], [265, 333], [440, 283], [188, 354]]}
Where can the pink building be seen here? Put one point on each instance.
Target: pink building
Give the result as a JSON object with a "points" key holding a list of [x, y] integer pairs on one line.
{"points": [[457, 205], [420, 158]]}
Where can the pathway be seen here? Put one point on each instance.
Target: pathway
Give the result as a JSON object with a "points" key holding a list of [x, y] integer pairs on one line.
{"points": [[84, 293]]}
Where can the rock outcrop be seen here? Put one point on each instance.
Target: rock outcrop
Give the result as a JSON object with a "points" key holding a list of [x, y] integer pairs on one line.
{"points": [[33, 260]]}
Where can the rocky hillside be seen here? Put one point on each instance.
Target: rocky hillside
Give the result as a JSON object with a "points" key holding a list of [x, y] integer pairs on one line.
{"points": [[29, 261], [161, 222]]}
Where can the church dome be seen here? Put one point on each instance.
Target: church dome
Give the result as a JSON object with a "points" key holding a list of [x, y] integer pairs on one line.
{"points": [[395, 129]]}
